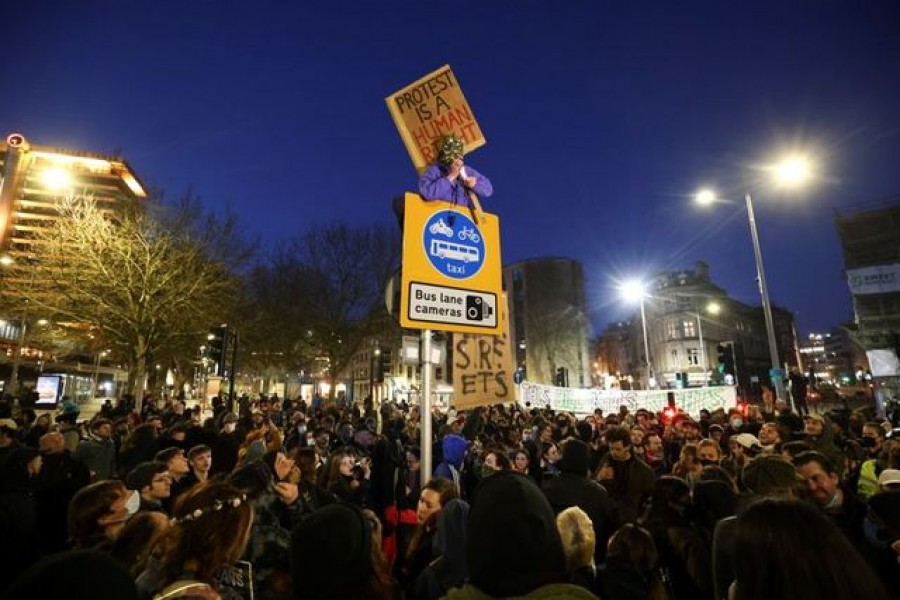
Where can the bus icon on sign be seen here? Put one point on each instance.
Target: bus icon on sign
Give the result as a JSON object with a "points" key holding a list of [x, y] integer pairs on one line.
{"points": [[453, 244], [454, 251]]}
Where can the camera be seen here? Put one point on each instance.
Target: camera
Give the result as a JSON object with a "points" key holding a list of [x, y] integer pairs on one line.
{"points": [[476, 310]]}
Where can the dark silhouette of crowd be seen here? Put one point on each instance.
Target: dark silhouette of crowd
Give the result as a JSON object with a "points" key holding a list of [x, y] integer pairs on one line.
{"points": [[300, 499]]}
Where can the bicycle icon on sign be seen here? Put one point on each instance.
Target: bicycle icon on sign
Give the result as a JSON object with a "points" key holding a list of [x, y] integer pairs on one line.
{"points": [[469, 233]]}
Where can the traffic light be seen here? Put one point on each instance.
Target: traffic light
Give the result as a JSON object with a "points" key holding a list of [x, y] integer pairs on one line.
{"points": [[217, 345], [387, 362], [670, 411], [725, 355], [561, 377]]}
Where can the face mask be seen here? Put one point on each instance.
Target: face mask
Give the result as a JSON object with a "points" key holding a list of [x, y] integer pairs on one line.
{"points": [[867, 442], [735, 423], [706, 462], [133, 504], [301, 429]]}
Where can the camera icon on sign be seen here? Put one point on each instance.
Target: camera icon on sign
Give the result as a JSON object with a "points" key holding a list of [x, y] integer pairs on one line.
{"points": [[476, 309]]}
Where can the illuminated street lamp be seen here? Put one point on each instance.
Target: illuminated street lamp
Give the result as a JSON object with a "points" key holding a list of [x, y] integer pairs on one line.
{"points": [[635, 291], [712, 308], [791, 171]]}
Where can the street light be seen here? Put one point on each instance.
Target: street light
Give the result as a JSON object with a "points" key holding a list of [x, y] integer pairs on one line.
{"points": [[635, 291], [712, 308], [791, 171]]}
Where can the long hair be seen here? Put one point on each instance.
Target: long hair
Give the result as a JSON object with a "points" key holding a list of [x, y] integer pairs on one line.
{"points": [[633, 545], [667, 490], [137, 539], [211, 529], [87, 506], [139, 439], [334, 467], [788, 549]]}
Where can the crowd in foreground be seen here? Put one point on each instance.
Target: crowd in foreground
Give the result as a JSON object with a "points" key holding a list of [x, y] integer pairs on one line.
{"points": [[318, 501]]}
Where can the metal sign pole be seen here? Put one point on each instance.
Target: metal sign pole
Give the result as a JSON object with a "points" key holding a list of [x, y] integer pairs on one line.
{"points": [[425, 408]]}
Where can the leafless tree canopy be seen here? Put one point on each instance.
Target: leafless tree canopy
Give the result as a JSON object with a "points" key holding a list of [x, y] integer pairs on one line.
{"points": [[143, 280]]}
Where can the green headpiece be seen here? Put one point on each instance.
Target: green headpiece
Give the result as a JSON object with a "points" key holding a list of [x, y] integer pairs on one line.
{"points": [[449, 149]]}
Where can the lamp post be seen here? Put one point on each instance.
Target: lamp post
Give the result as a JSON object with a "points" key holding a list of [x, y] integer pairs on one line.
{"points": [[636, 291], [792, 171], [713, 308], [95, 382]]}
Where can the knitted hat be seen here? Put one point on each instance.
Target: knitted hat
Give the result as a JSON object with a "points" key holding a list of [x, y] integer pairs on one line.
{"points": [[513, 546], [142, 475], [768, 474], [331, 551], [575, 457]]}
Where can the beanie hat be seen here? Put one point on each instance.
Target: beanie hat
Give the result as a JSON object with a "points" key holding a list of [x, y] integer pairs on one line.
{"points": [[769, 474], [575, 457], [75, 575], [331, 550], [142, 475], [513, 546]]}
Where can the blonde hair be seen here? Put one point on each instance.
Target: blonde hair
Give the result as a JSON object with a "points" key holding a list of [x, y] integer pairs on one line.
{"points": [[577, 533]]}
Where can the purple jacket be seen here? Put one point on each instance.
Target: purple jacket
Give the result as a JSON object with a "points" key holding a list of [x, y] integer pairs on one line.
{"points": [[434, 185]]}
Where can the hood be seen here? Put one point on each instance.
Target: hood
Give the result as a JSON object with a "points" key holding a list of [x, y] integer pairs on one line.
{"points": [[454, 449], [513, 546], [450, 538]]}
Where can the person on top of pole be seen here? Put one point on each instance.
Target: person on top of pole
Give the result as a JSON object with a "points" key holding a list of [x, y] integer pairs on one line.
{"points": [[449, 179]]}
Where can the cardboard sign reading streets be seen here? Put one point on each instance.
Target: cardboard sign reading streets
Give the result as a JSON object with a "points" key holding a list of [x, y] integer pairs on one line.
{"points": [[483, 369], [430, 108]]}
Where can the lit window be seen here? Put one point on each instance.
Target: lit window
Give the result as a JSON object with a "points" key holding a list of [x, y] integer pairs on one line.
{"points": [[690, 329]]}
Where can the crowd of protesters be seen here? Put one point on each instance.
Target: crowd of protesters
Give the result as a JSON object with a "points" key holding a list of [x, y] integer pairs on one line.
{"points": [[320, 501]]}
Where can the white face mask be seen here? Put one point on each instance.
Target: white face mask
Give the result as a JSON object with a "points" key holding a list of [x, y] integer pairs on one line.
{"points": [[133, 504]]}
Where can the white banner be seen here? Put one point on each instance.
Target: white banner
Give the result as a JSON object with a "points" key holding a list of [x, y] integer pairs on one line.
{"points": [[883, 363], [584, 401], [874, 280]]}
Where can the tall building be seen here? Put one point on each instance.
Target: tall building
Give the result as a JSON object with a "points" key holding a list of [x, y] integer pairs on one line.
{"points": [[36, 178], [34, 181], [548, 320], [870, 240], [690, 322]]}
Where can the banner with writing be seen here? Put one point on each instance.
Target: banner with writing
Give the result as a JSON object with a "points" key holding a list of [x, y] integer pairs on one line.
{"points": [[880, 279], [430, 108], [584, 401]]}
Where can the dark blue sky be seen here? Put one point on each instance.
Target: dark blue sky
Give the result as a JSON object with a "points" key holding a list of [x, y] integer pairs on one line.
{"points": [[602, 118]]}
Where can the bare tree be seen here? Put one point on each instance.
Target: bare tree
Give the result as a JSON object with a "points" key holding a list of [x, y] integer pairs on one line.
{"points": [[343, 271], [143, 283]]}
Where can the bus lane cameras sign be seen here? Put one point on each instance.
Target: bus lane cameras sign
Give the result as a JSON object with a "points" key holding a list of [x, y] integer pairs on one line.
{"points": [[451, 269]]}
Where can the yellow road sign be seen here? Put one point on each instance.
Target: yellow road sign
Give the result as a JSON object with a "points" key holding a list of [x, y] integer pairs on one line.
{"points": [[452, 278]]}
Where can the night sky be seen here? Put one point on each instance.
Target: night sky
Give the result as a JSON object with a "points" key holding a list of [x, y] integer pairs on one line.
{"points": [[602, 119]]}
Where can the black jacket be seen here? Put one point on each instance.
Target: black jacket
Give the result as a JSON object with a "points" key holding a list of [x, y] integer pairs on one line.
{"points": [[569, 489]]}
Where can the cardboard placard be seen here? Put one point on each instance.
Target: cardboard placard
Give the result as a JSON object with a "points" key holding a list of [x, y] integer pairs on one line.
{"points": [[483, 368], [430, 108]]}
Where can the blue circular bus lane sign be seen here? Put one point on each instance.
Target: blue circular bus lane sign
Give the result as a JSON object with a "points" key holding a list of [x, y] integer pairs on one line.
{"points": [[453, 244]]}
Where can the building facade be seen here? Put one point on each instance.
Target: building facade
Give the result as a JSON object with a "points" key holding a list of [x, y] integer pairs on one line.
{"points": [[548, 321], [691, 322], [870, 241]]}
